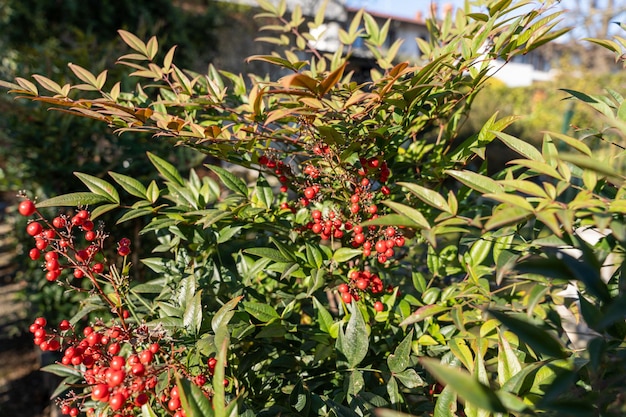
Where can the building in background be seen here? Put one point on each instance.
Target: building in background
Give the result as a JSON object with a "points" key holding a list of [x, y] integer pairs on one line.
{"points": [[238, 42]]}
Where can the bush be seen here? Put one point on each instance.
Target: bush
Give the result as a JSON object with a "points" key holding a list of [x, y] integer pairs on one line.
{"points": [[367, 268]]}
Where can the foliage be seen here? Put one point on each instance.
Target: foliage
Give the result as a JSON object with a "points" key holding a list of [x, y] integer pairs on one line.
{"points": [[40, 149], [367, 268]]}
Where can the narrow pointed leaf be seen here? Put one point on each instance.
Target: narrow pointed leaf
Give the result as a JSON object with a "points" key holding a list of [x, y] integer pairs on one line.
{"points": [[466, 386]]}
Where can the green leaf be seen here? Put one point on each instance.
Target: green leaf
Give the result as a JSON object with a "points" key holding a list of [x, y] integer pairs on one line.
{"points": [[73, 200], [354, 343], [133, 214], [476, 181], [100, 210], [192, 318], [131, 185], [345, 254], [458, 347], [230, 181], [265, 313], [398, 361], [595, 165], [573, 142], [446, 403], [412, 214], [167, 171], [508, 363], [264, 193], [224, 314], [324, 318], [269, 253], [466, 386], [147, 411], [391, 220], [99, 186], [300, 399], [193, 400], [61, 370], [153, 192], [538, 339], [521, 147], [592, 101], [409, 378], [428, 196], [423, 313]]}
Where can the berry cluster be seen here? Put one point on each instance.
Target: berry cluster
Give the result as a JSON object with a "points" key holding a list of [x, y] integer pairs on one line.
{"points": [[279, 168], [342, 221], [59, 240], [120, 367], [122, 364], [361, 282]]}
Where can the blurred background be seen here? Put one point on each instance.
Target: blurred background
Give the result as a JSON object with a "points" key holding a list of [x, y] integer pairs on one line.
{"points": [[40, 150]]}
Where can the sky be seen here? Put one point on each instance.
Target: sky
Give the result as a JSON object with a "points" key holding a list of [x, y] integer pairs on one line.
{"points": [[403, 8]]}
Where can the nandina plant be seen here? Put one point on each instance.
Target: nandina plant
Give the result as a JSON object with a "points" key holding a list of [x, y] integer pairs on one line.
{"points": [[366, 264]]}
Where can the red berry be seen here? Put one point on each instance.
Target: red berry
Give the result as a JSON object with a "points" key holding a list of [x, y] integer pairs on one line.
{"points": [[309, 193], [154, 348], [116, 402], [141, 399], [362, 284], [173, 404], [78, 273], [381, 247], [100, 391], [145, 356], [40, 321], [343, 288], [87, 225], [58, 222], [124, 241], [117, 362], [138, 369], [114, 348], [64, 325], [359, 238], [52, 265], [98, 268], [200, 380], [382, 259], [116, 378], [51, 255], [385, 190], [34, 228], [82, 255], [41, 244], [83, 214], [34, 254], [123, 250], [90, 236], [346, 297], [26, 208]]}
